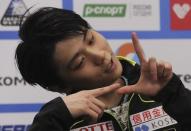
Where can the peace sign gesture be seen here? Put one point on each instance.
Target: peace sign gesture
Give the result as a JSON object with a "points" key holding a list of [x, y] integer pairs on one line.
{"points": [[154, 74], [86, 103]]}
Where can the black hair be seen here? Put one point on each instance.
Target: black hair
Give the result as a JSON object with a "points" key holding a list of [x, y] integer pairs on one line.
{"points": [[39, 33]]}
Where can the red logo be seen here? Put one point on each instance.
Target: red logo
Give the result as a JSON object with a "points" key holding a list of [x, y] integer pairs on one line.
{"points": [[126, 49], [180, 11]]}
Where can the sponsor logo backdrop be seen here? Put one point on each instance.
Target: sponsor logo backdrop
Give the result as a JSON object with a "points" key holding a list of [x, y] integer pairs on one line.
{"points": [[163, 27]]}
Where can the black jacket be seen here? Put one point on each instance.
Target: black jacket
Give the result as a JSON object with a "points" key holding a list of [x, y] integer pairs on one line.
{"points": [[135, 112]]}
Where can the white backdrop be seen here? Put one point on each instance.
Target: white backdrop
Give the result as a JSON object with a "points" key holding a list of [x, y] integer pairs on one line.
{"points": [[163, 27]]}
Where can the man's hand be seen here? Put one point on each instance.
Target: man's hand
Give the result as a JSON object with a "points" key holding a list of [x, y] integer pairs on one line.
{"points": [[86, 103], [154, 74]]}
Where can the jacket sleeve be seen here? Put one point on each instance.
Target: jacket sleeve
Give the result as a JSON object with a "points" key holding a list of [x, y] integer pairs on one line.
{"points": [[53, 116], [176, 100]]}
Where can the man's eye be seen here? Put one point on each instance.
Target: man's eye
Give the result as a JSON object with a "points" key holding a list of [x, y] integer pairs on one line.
{"points": [[79, 65]]}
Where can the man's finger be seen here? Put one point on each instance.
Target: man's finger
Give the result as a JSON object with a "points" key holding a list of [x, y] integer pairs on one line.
{"points": [[160, 68], [167, 71], [99, 103], [138, 49], [153, 68], [104, 90], [127, 89]]}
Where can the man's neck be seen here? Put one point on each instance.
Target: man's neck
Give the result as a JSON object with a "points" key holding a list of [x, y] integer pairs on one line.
{"points": [[112, 99]]}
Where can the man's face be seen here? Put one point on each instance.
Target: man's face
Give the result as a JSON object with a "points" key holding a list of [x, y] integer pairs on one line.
{"points": [[86, 62]]}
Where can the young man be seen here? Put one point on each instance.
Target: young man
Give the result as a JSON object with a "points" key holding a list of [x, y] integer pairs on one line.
{"points": [[61, 52]]}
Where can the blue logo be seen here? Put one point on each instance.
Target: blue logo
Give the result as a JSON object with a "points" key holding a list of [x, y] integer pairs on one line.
{"points": [[14, 127], [142, 128], [14, 13]]}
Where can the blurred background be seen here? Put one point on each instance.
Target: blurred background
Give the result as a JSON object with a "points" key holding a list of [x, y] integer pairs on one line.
{"points": [[163, 26]]}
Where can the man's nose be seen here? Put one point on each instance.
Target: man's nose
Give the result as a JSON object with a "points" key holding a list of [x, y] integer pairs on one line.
{"points": [[96, 55]]}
